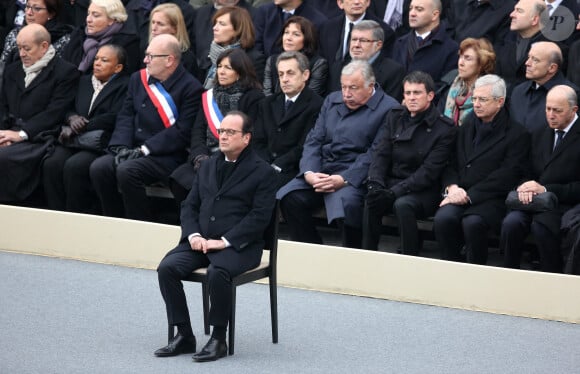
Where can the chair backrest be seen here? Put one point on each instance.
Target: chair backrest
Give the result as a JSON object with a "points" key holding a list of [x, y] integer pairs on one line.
{"points": [[271, 236]]}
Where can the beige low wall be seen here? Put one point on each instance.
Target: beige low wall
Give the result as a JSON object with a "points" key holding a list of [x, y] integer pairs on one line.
{"points": [[323, 268]]}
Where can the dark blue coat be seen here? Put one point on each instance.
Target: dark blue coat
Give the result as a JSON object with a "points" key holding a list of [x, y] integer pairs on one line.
{"points": [[139, 122], [436, 56]]}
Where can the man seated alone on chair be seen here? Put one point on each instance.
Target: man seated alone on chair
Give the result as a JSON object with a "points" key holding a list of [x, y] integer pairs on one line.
{"points": [[223, 220]]}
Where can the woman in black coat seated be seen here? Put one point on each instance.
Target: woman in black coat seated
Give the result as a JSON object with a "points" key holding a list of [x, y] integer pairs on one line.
{"points": [[105, 25], [167, 18], [299, 34], [232, 28], [235, 87], [86, 133]]}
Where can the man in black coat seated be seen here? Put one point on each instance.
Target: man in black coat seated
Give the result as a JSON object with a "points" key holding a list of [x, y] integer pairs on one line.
{"points": [[152, 132], [490, 160], [284, 119], [415, 144], [34, 98], [555, 167], [223, 221]]}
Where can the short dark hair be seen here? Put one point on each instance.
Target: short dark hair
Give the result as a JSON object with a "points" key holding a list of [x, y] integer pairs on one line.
{"points": [[242, 65], [120, 53], [420, 77], [302, 60], [247, 126]]}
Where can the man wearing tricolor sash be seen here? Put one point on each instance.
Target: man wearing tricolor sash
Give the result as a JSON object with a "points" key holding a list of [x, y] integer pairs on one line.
{"points": [[151, 134]]}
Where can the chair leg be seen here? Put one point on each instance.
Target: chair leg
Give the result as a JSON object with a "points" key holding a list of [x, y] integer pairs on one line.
{"points": [[205, 297], [232, 323], [170, 333], [274, 308]]}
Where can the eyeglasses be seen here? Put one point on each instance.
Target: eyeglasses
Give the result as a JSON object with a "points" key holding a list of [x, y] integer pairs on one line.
{"points": [[362, 40], [482, 99], [33, 8], [149, 56], [228, 132]]}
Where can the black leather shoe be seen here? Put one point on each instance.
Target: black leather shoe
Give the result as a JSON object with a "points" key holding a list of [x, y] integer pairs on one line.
{"points": [[213, 350], [178, 345]]}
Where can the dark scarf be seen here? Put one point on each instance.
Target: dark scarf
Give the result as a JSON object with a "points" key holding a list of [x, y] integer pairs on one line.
{"points": [[482, 130], [93, 42], [226, 168], [227, 99]]}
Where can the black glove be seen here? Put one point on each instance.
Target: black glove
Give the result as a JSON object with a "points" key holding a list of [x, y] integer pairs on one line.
{"points": [[380, 197], [197, 160], [374, 186], [127, 154], [77, 123], [65, 134]]}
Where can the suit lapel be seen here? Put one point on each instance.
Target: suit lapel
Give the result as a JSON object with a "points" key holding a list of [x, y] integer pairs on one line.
{"points": [[278, 112], [492, 139], [242, 170], [569, 140]]}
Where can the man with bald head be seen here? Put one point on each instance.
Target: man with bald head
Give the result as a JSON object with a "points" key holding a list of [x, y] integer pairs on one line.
{"points": [[543, 71], [35, 95], [525, 30], [151, 133], [555, 168]]}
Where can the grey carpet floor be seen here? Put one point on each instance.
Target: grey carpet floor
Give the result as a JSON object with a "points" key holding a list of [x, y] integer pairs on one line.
{"points": [[63, 316]]}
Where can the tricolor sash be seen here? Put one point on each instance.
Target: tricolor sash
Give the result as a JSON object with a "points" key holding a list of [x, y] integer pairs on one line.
{"points": [[212, 112], [161, 99]]}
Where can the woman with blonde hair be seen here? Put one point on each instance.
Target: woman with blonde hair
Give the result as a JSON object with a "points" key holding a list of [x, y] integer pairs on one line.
{"points": [[476, 58], [167, 18], [106, 24]]}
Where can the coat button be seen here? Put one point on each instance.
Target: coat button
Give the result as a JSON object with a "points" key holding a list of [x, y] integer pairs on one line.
{"points": [[143, 105], [468, 166], [279, 129], [217, 198], [212, 218], [274, 154]]}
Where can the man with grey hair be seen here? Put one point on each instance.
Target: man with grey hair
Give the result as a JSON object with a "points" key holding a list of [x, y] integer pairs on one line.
{"points": [[525, 30], [490, 157], [528, 99], [336, 158], [554, 168], [427, 47], [285, 118], [366, 43]]}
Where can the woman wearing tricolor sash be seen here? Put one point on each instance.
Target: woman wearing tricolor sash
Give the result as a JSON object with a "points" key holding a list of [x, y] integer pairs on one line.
{"points": [[235, 87]]}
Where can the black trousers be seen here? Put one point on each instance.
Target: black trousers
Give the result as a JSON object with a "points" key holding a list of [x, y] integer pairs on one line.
{"points": [[130, 178], [453, 229], [297, 208], [407, 210], [515, 227], [66, 180], [177, 265]]}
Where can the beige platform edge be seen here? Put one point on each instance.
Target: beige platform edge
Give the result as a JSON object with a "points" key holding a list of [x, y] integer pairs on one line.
{"points": [[322, 268]]}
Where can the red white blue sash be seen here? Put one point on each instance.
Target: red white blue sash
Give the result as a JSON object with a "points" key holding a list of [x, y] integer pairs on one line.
{"points": [[161, 99], [212, 112]]}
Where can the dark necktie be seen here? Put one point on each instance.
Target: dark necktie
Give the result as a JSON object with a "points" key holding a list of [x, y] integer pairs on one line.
{"points": [[286, 15], [287, 106], [550, 7], [559, 138], [419, 40], [346, 53]]}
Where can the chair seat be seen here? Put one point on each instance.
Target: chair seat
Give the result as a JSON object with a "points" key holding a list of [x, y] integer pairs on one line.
{"points": [[263, 265]]}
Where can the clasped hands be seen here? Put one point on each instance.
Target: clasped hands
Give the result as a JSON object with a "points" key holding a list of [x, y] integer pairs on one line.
{"points": [[123, 153], [9, 137], [379, 196], [527, 191], [322, 182], [201, 244], [455, 195], [76, 125]]}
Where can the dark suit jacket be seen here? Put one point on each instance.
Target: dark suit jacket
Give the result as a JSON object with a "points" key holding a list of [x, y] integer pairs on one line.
{"points": [[490, 20], [139, 122], [331, 36], [279, 136], [573, 58], [436, 56], [268, 21], [528, 105], [558, 171], [490, 170], [389, 75], [126, 38], [42, 105], [107, 103], [239, 211]]}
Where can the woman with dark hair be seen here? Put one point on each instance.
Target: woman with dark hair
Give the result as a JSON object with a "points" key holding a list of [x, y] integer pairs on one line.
{"points": [[232, 28], [86, 132], [298, 34], [106, 24], [46, 13], [235, 87], [476, 59]]}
